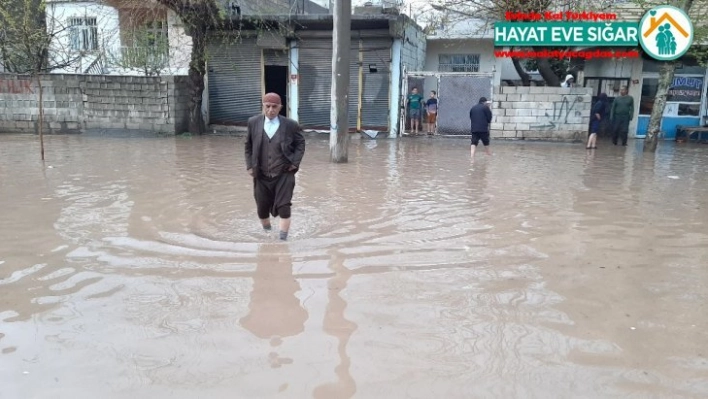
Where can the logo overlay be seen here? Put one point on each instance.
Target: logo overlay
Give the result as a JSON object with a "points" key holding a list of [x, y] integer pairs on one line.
{"points": [[666, 33], [544, 34]]}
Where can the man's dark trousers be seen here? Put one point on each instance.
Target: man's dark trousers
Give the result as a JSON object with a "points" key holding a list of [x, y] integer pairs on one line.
{"points": [[620, 125]]}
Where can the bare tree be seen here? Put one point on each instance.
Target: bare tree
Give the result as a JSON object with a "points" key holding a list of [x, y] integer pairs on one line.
{"points": [[495, 10], [699, 9], [197, 16], [28, 45], [147, 51]]}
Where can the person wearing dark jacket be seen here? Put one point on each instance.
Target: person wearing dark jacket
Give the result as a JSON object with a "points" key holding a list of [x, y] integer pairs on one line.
{"points": [[274, 149], [597, 117], [480, 118]]}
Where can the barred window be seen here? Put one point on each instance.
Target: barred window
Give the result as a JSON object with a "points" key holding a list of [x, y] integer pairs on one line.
{"points": [[83, 34], [157, 33], [458, 63]]}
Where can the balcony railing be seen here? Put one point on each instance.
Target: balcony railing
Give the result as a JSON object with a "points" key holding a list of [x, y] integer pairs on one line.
{"points": [[145, 57]]}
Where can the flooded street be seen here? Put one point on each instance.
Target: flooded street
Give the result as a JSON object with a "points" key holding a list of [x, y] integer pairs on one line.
{"points": [[136, 268]]}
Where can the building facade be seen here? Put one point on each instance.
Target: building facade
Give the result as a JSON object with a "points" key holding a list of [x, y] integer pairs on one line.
{"points": [[117, 38], [295, 61], [686, 102]]}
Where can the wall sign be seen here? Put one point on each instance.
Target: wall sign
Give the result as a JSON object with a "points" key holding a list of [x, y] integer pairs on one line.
{"points": [[686, 89]]}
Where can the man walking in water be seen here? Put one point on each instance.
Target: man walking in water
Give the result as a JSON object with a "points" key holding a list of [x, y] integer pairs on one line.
{"points": [[274, 148], [480, 118], [621, 113]]}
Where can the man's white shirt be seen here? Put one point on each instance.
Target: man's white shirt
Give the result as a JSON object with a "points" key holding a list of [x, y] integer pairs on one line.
{"points": [[271, 126]]}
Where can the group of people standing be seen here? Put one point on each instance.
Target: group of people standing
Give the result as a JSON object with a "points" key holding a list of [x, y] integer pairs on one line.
{"points": [[615, 117], [416, 105], [620, 114]]}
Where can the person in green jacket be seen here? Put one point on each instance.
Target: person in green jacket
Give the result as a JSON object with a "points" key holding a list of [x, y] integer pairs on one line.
{"points": [[621, 113]]}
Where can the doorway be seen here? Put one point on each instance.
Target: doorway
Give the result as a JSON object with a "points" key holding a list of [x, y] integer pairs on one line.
{"points": [[276, 81], [609, 86], [418, 83], [457, 92]]}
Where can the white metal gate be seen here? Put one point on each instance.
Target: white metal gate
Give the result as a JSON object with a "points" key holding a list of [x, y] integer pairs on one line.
{"points": [[457, 93]]}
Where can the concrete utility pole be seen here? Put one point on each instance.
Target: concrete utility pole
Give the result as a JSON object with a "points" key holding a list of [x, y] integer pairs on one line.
{"points": [[341, 49]]}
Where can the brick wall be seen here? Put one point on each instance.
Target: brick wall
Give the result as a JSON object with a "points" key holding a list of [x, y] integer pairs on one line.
{"points": [[76, 103], [413, 50], [541, 113]]}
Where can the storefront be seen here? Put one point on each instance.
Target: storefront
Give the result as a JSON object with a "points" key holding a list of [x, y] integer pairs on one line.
{"points": [[297, 64], [685, 101]]}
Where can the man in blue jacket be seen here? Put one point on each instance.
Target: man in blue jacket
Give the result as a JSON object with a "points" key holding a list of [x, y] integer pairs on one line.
{"points": [[480, 118]]}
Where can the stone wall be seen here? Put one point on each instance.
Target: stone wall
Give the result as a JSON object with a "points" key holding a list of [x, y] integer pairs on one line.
{"points": [[413, 49], [76, 103], [541, 113]]}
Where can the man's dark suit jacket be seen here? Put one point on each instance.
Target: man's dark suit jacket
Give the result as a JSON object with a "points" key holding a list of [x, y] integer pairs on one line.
{"points": [[293, 142]]}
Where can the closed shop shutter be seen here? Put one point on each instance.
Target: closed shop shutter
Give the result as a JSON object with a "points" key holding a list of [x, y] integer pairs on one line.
{"points": [[275, 57], [234, 70], [315, 77], [375, 95]]}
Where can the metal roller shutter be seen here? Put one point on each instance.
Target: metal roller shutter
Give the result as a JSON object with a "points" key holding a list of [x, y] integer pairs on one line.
{"points": [[375, 97], [354, 84], [315, 71], [234, 69], [275, 57]]}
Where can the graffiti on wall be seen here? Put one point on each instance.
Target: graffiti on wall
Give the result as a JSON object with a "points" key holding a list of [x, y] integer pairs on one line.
{"points": [[561, 111], [12, 86]]}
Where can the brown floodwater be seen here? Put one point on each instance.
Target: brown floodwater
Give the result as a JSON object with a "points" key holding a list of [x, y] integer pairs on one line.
{"points": [[135, 268]]}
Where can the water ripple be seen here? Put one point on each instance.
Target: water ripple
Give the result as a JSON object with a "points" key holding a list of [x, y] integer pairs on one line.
{"points": [[543, 271]]}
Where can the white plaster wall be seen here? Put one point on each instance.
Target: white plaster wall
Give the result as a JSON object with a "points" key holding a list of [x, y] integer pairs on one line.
{"points": [[180, 45], [488, 63], [58, 14], [620, 68], [485, 48]]}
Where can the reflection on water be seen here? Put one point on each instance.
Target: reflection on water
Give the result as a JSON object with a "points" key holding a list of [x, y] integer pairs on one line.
{"points": [[336, 325], [274, 310], [137, 268]]}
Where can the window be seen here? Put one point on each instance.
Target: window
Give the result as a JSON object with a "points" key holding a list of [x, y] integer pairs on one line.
{"points": [[458, 63], [83, 34], [148, 46], [686, 91], [689, 109], [649, 88], [156, 33]]}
